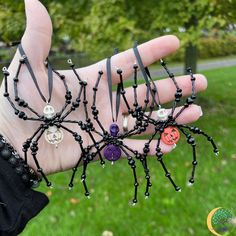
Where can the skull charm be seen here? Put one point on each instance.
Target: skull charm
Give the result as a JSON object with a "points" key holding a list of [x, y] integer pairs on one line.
{"points": [[48, 111], [162, 114], [53, 134]]}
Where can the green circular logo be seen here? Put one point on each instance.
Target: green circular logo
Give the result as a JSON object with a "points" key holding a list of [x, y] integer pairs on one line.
{"points": [[221, 221]]}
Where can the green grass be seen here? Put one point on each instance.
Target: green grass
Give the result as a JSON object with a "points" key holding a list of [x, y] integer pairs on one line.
{"points": [[166, 212]]}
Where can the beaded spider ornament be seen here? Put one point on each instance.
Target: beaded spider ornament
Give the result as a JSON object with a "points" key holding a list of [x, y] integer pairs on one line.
{"points": [[52, 123], [110, 143], [165, 125]]}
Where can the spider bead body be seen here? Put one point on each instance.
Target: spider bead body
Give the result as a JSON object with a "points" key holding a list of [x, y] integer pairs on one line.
{"points": [[112, 152]]}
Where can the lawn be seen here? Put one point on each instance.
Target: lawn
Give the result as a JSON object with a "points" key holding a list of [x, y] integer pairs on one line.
{"points": [[166, 212]]}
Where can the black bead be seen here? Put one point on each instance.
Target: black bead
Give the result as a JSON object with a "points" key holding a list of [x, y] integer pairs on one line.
{"points": [[146, 150], [2, 144], [191, 140], [135, 200], [5, 153], [177, 188], [189, 69], [6, 73], [147, 176], [21, 114], [68, 96], [194, 163], [25, 178], [167, 174], [189, 100], [163, 63], [22, 60], [95, 112], [131, 162], [178, 95], [19, 170], [191, 181], [119, 71], [34, 148], [13, 161], [21, 102]]}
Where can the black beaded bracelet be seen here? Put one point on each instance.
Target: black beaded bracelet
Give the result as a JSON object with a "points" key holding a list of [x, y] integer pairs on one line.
{"points": [[26, 173]]}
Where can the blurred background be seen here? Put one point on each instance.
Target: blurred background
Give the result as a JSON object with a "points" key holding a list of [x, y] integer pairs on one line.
{"points": [[89, 30]]}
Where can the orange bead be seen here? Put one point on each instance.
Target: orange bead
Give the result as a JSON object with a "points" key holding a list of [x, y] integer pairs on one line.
{"points": [[170, 135]]}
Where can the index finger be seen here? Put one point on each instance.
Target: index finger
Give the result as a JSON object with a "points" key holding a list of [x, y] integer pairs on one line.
{"points": [[150, 52]]}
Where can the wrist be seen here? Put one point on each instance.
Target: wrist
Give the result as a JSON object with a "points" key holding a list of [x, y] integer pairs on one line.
{"points": [[27, 175]]}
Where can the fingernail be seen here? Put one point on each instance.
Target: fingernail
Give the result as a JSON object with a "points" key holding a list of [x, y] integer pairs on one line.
{"points": [[201, 113]]}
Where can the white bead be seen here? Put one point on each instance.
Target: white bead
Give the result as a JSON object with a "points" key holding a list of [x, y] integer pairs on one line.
{"points": [[162, 114]]}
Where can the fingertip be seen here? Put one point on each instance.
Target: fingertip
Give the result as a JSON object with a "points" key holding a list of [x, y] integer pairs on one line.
{"points": [[173, 40], [201, 82], [166, 148]]}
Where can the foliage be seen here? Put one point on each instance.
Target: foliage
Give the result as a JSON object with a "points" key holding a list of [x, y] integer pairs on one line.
{"points": [[98, 26]]}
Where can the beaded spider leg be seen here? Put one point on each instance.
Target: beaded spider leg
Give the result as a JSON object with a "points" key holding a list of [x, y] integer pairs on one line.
{"points": [[131, 162], [192, 142], [178, 93], [21, 103], [158, 124], [140, 125], [159, 155], [140, 113], [190, 139], [34, 151], [89, 126], [151, 89]]}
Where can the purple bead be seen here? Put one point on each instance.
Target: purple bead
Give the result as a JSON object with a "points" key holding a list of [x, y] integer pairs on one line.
{"points": [[112, 152], [114, 129]]}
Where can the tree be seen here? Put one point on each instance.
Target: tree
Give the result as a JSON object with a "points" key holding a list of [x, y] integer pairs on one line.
{"points": [[190, 19], [97, 27]]}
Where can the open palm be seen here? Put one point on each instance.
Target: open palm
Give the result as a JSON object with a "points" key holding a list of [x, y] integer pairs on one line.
{"points": [[36, 42]]}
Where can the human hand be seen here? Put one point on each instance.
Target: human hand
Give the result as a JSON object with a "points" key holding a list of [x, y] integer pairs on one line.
{"points": [[36, 42]]}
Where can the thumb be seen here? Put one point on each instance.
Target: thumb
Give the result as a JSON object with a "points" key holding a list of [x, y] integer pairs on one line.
{"points": [[36, 40]]}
